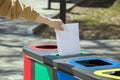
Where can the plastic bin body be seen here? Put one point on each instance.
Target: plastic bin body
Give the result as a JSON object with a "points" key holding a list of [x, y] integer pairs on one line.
{"points": [[35, 69], [84, 66], [43, 63], [27, 68], [64, 76], [43, 72]]}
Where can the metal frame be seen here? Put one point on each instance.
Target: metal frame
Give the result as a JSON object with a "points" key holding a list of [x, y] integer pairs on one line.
{"points": [[62, 9]]}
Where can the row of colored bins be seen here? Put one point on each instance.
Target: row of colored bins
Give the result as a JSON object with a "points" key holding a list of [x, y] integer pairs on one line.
{"points": [[91, 67], [36, 69], [41, 62]]}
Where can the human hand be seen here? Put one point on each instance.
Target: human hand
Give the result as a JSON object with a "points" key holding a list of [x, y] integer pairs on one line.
{"points": [[56, 24]]}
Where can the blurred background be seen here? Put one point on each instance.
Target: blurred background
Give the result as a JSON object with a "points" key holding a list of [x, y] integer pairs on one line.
{"points": [[98, 19]]}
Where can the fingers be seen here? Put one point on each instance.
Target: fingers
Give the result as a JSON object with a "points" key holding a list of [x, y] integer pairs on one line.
{"points": [[56, 24], [60, 28]]}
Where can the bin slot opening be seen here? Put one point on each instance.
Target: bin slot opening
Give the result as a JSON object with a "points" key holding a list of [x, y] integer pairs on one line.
{"points": [[93, 63], [47, 47], [116, 73]]}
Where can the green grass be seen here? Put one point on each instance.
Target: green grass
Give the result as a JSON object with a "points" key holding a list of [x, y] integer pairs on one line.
{"points": [[116, 6], [96, 16], [97, 22]]}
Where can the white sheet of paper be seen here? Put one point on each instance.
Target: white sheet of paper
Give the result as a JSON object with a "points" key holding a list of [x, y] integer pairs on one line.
{"points": [[68, 41]]}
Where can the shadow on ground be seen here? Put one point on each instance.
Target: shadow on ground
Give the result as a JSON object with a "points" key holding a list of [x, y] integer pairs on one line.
{"points": [[100, 31], [13, 36], [96, 3], [87, 32]]}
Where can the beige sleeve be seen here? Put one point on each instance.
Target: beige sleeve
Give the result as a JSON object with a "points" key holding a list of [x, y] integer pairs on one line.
{"points": [[14, 9]]}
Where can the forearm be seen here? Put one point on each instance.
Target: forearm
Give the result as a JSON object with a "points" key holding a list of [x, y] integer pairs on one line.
{"points": [[43, 19], [54, 23], [14, 9]]}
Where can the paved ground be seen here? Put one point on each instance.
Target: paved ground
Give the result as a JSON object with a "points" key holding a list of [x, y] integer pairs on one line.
{"points": [[42, 5], [15, 34]]}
